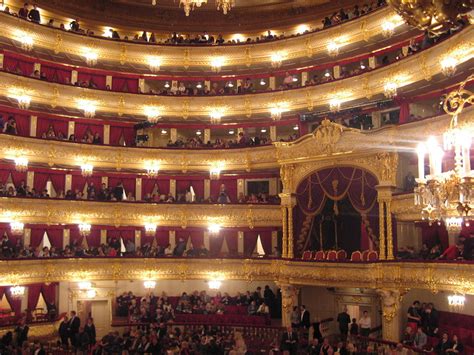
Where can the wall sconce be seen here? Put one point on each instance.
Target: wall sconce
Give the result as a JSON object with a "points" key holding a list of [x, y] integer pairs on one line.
{"points": [[390, 90], [333, 48], [152, 167], [84, 285], [21, 164], [277, 59], [448, 66], [149, 284], [84, 229], [335, 105], [87, 170], [23, 101], [217, 63], [154, 63], [214, 228], [91, 293], [456, 302], [88, 106], [17, 291], [216, 114], [91, 57], [150, 229], [26, 41], [17, 228], [214, 284], [153, 113]]}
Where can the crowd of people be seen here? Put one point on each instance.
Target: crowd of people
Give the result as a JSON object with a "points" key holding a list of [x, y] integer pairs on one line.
{"points": [[32, 13], [159, 309]]}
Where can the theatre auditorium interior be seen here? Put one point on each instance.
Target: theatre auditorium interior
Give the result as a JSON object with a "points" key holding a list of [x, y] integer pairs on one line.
{"points": [[193, 177]]}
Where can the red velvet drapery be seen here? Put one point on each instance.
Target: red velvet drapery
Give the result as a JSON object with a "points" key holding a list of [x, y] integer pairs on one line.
{"points": [[81, 127], [121, 133], [125, 84], [57, 74], [148, 185], [230, 187], [98, 79], [43, 124]]}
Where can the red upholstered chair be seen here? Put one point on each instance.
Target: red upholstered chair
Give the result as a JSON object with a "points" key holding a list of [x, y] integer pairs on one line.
{"points": [[320, 255], [341, 255], [372, 256], [332, 255], [356, 256], [306, 255], [365, 254]]}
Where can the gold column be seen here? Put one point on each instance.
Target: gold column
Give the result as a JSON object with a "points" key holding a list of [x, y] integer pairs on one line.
{"points": [[388, 205], [381, 230], [290, 232], [284, 242], [391, 313], [289, 299]]}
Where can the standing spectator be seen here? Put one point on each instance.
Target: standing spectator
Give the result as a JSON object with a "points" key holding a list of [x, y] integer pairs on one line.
{"points": [[63, 332], [34, 14], [305, 318], [414, 314], [90, 330], [23, 12], [365, 324], [289, 341], [21, 332], [344, 319], [354, 331], [295, 317], [73, 328]]}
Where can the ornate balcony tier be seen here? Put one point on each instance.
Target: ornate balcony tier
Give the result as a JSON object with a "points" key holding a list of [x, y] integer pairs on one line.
{"points": [[433, 276], [137, 214], [326, 146], [351, 35], [410, 72]]}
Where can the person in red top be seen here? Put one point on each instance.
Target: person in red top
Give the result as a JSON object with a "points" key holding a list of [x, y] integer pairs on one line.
{"points": [[453, 252]]}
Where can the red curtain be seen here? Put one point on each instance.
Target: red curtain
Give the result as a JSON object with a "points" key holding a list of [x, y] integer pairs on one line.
{"points": [[37, 234], [55, 236], [18, 177], [81, 128], [16, 65], [74, 236], [124, 233], [197, 183], [98, 79], [79, 182], [4, 174], [250, 242], [43, 124], [22, 125], [58, 180], [125, 84], [49, 292], [197, 238], [434, 234], [93, 239], [15, 303], [57, 74], [162, 238], [149, 184], [404, 112], [215, 244], [266, 238], [232, 241], [118, 133], [34, 292], [40, 180]]}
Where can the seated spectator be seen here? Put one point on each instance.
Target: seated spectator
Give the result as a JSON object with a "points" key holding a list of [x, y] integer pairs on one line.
{"points": [[420, 339], [34, 14], [10, 126], [263, 310], [252, 308], [456, 346]]}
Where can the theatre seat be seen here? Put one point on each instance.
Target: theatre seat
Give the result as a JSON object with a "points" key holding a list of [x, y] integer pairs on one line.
{"points": [[365, 255], [332, 255], [356, 256], [320, 255], [372, 255], [341, 255], [307, 255]]}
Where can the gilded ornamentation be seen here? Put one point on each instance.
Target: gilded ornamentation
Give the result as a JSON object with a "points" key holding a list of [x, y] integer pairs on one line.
{"points": [[327, 135], [123, 54], [58, 43]]}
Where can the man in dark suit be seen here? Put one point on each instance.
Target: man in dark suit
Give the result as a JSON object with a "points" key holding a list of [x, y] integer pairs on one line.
{"points": [[289, 341], [305, 318], [64, 332], [21, 332], [344, 319], [73, 328]]}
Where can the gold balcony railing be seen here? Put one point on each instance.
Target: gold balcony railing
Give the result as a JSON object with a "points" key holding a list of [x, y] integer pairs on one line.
{"points": [[349, 35], [432, 276], [412, 70]]}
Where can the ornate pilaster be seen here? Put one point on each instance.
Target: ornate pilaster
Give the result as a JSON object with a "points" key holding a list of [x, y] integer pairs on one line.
{"points": [[288, 201], [382, 253], [391, 313], [284, 219], [289, 299], [384, 198]]}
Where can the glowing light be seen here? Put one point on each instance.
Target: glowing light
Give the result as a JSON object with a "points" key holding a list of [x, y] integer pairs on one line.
{"points": [[149, 284], [90, 56], [21, 164], [333, 48], [87, 106], [153, 113], [84, 229], [217, 63], [335, 104], [277, 59], [152, 168], [154, 63], [216, 114], [26, 41], [302, 29], [17, 291], [87, 169], [84, 285], [214, 284], [91, 293], [17, 228], [456, 300], [277, 110], [390, 90], [448, 66]]}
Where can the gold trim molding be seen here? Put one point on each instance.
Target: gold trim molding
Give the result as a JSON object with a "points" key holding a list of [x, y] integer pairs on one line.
{"points": [[388, 275], [43, 211], [245, 55], [413, 69]]}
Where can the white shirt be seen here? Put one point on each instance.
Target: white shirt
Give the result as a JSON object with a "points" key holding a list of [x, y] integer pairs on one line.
{"points": [[365, 322]]}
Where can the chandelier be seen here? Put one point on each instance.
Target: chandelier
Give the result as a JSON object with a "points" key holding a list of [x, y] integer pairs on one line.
{"points": [[91, 57], [26, 41], [390, 90], [88, 106], [17, 291], [153, 113], [87, 169], [152, 168], [23, 101], [277, 59], [225, 5], [17, 228], [334, 105], [21, 164], [436, 16], [154, 63], [189, 5], [214, 284], [84, 229], [447, 195], [456, 302], [149, 284], [448, 66], [216, 114], [150, 229]]}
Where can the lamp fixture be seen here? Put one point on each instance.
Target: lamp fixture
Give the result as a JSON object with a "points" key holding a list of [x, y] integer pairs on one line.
{"points": [[150, 229], [152, 168], [262, 82], [154, 63], [21, 164], [84, 229], [26, 41], [277, 59], [198, 133], [277, 110], [91, 57], [390, 90], [215, 173], [189, 5], [91, 293], [87, 169], [217, 63], [87, 106], [214, 284], [388, 28], [335, 104], [446, 195], [225, 5], [17, 228], [456, 300], [448, 65], [84, 285], [23, 101], [216, 114], [199, 85], [153, 113], [167, 85], [333, 48], [231, 131], [149, 284], [17, 291], [214, 228]]}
